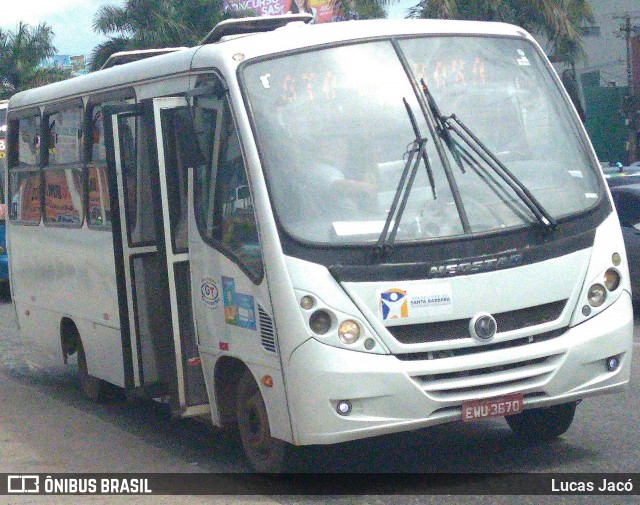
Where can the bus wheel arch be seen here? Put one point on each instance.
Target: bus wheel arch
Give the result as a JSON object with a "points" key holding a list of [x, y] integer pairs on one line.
{"points": [[228, 370], [242, 407], [69, 338], [71, 343]]}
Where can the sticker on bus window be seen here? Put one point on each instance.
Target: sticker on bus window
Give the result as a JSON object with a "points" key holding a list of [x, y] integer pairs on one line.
{"points": [[239, 308], [522, 59], [229, 300], [209, 293]]}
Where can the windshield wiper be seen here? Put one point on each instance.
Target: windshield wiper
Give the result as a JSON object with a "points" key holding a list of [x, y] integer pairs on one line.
{"points": [[417, 152], [447, 124], [441, 125]]}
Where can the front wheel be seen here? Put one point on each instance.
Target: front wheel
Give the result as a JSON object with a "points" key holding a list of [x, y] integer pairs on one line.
{"points": [[542, 424], [265, 453]]}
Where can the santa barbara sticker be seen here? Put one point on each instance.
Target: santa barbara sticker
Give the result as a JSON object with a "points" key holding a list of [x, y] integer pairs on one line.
{"points": [[431, 299], [403, 302], [209, 293], [393, 304]]}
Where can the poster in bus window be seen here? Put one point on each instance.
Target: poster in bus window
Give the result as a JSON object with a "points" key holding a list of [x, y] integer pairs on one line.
{"points": [[3, 148], [99, 211], [27, 198], [62, 197], [321, 10], [66, 139]]}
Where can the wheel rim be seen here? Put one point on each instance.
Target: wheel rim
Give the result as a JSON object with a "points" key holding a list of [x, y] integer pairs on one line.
{"points": [[256, 427]]}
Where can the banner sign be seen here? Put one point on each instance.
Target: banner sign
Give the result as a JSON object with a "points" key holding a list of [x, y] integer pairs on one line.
{"points": [[321, 10]]}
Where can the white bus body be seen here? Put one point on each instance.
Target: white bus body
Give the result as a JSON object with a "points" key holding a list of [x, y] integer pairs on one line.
{"points": [[170, 224]]}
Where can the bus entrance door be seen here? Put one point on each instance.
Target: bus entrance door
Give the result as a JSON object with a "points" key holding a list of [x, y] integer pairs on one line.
{"points": [[149, 185]]}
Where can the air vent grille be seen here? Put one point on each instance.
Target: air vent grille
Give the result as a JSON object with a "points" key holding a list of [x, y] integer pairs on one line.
{"points": [[267, 335]]}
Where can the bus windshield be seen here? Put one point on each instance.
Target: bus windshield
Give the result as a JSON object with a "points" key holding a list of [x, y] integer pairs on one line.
{"points": [[334, 132]]}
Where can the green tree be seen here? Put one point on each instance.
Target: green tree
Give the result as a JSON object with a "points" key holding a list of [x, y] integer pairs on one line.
{"points": [[149, 24], [559, 21], [21, 54], [359, 9]]}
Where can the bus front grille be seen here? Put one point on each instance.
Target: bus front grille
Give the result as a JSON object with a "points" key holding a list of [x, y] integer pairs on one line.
{"points": [[480, 348], [459, 328], [488, 381]]}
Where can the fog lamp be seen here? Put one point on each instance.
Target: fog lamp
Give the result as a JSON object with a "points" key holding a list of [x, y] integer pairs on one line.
{"points": [[611, 279], [597, 295], [613, 363], [344, 407], [349, 331], [320, 322]]}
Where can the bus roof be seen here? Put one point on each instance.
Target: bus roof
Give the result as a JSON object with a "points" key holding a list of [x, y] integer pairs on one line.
{"points": [[295, 35]]}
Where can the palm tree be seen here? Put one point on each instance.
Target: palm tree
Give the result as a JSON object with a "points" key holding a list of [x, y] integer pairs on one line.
{"points": [[21, 54], [149, 24], [359, 9], [559, 21]]}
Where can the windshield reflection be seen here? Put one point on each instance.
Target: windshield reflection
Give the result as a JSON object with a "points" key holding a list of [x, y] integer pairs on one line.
{"points": [[334, 137]]}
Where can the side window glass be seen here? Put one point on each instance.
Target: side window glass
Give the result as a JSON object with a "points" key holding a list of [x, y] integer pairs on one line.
{"points": [[24, 189], [25, 178], [179, 155], [63, 196], [29, 141], [98, 201], [136, 162], [223, 204], [65, 133], [63, 178]]}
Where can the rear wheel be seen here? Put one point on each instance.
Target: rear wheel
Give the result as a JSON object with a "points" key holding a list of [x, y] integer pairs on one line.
{"points": [[92, 387], [542, 424], [264, 453]]}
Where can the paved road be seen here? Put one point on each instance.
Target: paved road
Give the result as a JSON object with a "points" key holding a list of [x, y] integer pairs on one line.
{"points": [[46, 425]]}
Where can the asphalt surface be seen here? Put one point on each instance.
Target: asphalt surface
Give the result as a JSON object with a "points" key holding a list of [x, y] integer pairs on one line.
{"points": [[46, 425]]}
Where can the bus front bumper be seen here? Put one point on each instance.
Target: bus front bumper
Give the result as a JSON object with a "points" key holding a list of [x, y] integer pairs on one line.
{"points": [[389, 395]]}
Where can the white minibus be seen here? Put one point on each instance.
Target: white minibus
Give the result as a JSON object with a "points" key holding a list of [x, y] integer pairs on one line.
{"points": [[320, 233]]}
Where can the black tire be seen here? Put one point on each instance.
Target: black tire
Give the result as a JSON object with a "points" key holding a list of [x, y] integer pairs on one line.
{"points": [[92, 387], [542, 424], [264, 453]]}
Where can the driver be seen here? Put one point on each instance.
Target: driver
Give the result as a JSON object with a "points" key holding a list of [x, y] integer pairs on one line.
{"points": [[337, 176]]}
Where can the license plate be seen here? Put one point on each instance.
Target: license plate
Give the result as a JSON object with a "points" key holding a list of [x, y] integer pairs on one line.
{"points": [[493, 407]]}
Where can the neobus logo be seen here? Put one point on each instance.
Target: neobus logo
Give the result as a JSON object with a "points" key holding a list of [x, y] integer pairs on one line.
{"points": [[468, 267]]}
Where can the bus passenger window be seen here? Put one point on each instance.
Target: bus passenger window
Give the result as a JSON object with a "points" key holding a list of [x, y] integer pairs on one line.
{"points": [[99, 204], [24, 193], [63, 196], [29, 141], [223, 204], [25, 178], [63, 184]]}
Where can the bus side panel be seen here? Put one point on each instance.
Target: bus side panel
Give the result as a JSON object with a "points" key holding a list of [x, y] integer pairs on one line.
{"points": [[63, 272]]}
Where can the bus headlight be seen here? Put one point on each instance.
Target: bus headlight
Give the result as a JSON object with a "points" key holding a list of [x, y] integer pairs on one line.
{"points": [[320, 322], [611, 279], [597, 295], [349, 331]]}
